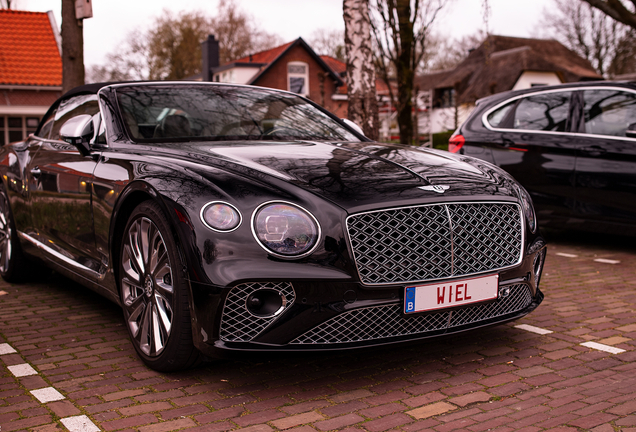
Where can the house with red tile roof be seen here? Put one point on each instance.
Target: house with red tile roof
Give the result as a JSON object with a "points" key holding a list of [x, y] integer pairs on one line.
{"points": [[30, 71], [295, 67]]}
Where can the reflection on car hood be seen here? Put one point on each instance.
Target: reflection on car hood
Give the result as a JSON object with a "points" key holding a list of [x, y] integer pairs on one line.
{"points": [[358, 173]]}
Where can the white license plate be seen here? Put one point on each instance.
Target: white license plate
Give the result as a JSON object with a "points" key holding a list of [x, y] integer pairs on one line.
{"points": [[443, 295]]}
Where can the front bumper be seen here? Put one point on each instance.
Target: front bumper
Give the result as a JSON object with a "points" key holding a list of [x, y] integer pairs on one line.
{"points": [[340, 316]]}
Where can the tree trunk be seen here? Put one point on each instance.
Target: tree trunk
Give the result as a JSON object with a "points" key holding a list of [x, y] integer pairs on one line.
{"points": [[72, 48], [363, 104], [405, 71]]}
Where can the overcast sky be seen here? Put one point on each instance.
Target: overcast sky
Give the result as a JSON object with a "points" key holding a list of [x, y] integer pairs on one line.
{"points": [[114, 19]]}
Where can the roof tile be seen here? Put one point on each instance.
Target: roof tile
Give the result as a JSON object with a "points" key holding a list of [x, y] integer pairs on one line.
{"points": [[28, 52]]}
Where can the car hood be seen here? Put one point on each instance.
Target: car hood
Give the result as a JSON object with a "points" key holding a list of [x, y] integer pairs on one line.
{"points": [[359, 174]]}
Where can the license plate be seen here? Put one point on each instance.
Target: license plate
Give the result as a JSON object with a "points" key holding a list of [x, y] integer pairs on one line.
{"points": [[443, 295]]}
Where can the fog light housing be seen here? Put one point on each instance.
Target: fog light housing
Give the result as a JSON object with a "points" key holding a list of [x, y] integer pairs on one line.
{"points": [[265, 303]]}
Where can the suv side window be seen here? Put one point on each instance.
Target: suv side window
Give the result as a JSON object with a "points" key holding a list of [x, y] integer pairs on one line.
{"points": [[547, 112], [609, 112], [82, 104]]}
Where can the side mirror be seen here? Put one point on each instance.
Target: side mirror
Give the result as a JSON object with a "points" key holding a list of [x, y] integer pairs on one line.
{"points": [[353, 126], [78, 131]]}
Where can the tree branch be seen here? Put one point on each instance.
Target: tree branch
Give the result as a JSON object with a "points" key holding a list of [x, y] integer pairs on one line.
{"points": [[616, 10]]}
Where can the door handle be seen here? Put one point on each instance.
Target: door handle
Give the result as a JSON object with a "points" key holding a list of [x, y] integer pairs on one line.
{"points": [[594, 150], [35, 172]]}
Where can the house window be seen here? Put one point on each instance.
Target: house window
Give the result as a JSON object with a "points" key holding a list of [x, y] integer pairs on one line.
{"points": [[298, 78], [16, 128], [445, 98]]}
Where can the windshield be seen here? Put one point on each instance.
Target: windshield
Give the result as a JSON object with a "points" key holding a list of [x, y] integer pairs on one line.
{"points": [[169, 113]]}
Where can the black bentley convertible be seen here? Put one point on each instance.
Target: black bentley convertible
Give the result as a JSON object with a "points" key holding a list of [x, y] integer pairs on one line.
{"points": [[234, 218]]}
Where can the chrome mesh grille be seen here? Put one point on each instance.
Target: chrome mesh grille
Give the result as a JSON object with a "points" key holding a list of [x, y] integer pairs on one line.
{"points": [[381, 322], [237, 323], [436, 241]]}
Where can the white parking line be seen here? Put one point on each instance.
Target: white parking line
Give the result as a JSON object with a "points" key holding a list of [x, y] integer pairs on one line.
{"points": [[22, 370], [5, 348], [47, 394], [79, 424], [602, 347], [533, 329], [607, 261], [567, 255]]}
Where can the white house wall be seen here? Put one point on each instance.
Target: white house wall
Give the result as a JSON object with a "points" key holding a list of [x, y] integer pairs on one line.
{"points": [[529, 79], [442, 119], [237, 75]]}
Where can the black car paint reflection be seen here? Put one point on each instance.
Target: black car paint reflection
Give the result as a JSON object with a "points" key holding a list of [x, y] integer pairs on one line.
{"points": [[127, 196]]}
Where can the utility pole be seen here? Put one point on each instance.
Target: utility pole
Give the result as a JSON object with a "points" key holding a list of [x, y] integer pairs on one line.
{"points": [[73, 13]]}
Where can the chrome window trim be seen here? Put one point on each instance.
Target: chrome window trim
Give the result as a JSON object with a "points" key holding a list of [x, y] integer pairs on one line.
{"points": [[206, 205], [484, 117], [271, 252], [522, 222]]}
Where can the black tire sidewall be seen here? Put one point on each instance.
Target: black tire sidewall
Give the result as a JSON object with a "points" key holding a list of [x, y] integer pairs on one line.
{"points": [[16, 269]]}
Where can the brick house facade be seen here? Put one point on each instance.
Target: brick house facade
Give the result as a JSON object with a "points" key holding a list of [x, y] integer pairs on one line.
{"points": [[30, 71], [294, 67]]}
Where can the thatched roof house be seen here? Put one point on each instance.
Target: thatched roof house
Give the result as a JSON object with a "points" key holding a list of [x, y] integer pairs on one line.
{"points": [[503, 63]]}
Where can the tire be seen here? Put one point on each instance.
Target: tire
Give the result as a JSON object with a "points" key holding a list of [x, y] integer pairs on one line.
{"points": [[13, 265], [154, 292]]}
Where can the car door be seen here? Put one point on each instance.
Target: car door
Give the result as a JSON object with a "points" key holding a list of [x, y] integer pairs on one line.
{"points": [[606, 166], [536, 148], [60, 179]]}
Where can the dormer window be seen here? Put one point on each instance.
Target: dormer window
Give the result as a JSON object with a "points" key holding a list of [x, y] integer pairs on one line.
{"points": [[298, 78]]}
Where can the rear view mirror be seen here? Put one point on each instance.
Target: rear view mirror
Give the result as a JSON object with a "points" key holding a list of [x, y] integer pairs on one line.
{"points": [[78, 131]]}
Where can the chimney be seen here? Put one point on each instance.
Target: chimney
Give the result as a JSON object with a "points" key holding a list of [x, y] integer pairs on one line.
{"points": [[210, 56]]}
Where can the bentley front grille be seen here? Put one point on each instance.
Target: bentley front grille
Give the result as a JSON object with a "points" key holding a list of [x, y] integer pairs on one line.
{"points": [[380, 322], [238, 324], [414, 244]]}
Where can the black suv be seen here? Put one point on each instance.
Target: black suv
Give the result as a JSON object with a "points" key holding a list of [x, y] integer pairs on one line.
{"points": [[572, 146]]}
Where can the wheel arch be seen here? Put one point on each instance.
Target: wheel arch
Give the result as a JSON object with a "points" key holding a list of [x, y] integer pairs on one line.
{"points": [[136, 193]]}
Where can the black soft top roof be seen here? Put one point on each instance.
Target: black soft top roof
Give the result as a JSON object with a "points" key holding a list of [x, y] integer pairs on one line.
{"points": [[86, 89]]}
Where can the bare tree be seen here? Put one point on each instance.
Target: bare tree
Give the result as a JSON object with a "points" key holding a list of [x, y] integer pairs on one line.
{"points": [[171, 49], [401, 29], [8, 4], [624, 61], [237, 33], [328, 42], [584, 30], [72, 47], [363, 104], [173, 45], [129, 63], [442, 52], [616, 10]]}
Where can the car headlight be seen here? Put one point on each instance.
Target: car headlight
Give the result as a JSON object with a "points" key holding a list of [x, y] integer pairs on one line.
{"points": [[285, 230], [220, 216], [528, 208]]}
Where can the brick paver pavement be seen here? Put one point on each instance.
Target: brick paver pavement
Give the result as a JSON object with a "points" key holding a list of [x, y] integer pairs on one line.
{"points": [[501, 378]]}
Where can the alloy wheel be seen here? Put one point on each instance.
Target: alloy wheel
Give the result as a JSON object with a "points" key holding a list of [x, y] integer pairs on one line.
{"points": [[147, 286], [5, 235]]}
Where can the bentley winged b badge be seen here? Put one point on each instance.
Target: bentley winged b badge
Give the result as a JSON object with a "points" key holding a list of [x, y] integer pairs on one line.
{"points": [[435, 188]]}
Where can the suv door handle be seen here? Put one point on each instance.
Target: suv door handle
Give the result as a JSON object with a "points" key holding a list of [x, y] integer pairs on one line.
{"points": [[594, 150], [35, 172]]}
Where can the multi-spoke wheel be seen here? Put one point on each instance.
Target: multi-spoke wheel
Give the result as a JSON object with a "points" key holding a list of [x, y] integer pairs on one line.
{"points": [[12, 263], [154, 293]]}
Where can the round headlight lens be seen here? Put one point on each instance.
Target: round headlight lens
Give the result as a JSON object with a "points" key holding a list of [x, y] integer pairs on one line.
{"points": [[220, 216], [528, 208], [286, 230]]}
